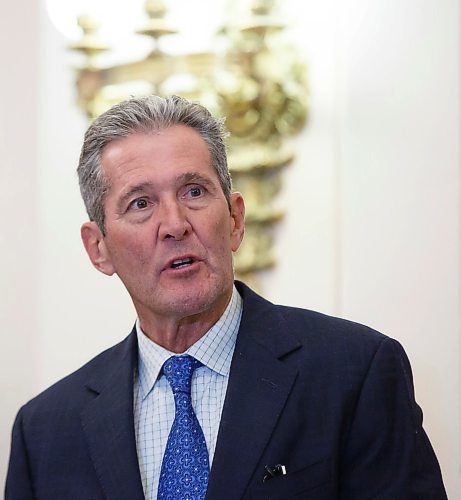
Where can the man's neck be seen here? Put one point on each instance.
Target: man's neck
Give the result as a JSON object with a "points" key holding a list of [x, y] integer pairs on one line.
{"points": [[178, 334]]}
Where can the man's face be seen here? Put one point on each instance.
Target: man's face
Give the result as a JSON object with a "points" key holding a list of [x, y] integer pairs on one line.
{"points": [[169, 232]]}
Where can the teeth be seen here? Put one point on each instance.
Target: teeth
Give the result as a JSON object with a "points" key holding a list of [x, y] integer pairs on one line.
{"points": [[181, 263]]}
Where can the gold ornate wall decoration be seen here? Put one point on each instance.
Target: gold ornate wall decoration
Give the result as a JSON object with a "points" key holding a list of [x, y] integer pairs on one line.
{"points": [[258, 82]]}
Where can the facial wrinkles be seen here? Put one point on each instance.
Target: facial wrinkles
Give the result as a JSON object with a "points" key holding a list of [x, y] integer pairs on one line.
{"points": [[159, 172], [129, 168], [155, 253], [148, 188]]}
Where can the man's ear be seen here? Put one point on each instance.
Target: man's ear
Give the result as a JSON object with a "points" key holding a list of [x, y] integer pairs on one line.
{"points": [[95, 246], [237, 220]]}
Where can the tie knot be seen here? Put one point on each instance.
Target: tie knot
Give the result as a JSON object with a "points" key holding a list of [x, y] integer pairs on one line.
{"points": [[178, 370]]}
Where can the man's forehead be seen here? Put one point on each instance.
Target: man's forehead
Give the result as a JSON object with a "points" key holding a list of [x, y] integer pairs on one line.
{"points": [[154, 134], [182, 147]]}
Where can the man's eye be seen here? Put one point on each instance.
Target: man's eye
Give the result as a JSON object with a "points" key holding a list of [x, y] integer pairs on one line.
{"points": [[139, 204], [195, 191]]}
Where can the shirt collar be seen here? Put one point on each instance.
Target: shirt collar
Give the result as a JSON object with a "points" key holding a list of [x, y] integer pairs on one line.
{"points": [[214, 350]]}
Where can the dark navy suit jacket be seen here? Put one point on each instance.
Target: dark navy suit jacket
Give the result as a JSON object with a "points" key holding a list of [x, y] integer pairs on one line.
{"points": [[330, 400]]}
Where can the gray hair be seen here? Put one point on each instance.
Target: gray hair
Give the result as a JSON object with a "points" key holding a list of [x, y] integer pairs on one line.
{"points": [[145, 115]]}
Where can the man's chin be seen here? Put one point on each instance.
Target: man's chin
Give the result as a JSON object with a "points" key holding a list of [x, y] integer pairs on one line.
{"points": [[193, 302]]}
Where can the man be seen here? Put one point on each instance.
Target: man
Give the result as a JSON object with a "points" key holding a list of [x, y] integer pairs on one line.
{"points": [[216, 391]]}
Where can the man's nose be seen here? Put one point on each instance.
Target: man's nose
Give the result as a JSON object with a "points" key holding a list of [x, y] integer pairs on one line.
{"points": [[173, 222]]}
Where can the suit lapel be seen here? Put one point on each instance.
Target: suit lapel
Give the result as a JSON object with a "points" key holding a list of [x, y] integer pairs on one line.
{"points": [[109, 425], [258, 388]]}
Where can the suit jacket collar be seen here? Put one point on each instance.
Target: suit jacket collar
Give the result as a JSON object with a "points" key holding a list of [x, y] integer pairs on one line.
{"points": [[258, 388], [264, 324], [108, 423]]}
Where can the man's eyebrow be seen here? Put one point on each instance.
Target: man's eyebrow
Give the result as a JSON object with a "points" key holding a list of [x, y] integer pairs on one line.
{"points": [[137, 189], [193, 177]]}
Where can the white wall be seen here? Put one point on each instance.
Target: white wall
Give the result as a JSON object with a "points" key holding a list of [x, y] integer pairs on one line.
{"points": [[373, 225], [19, 261], [400, 224]]}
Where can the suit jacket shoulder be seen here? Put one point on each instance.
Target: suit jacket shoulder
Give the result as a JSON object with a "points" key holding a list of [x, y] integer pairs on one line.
{"points": [[94, 375], [76, 439], [282, 328]]}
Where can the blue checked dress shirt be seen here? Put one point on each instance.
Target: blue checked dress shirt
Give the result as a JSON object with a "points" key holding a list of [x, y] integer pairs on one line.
{"points": [[154, 407]]}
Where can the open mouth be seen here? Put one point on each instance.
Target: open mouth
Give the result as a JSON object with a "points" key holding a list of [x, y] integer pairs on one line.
{"points": [[180, 263]]}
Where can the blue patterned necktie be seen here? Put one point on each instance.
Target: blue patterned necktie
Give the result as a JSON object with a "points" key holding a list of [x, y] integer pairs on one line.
{"points": [[185, 468]]}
